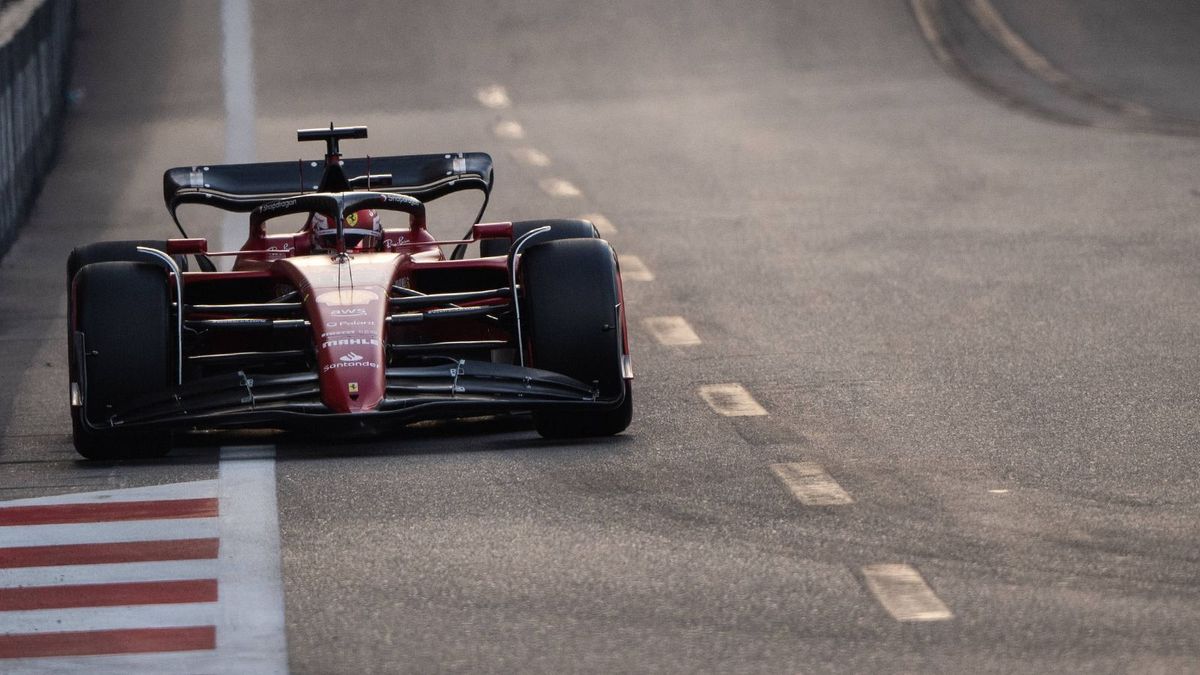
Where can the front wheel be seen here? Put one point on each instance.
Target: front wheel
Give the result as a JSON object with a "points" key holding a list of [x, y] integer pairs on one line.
{"points": [[573, 318], [121, 322], [562, 228]]}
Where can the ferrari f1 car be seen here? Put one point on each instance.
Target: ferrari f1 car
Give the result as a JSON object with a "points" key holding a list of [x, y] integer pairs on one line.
{"points": [[344, 323]]}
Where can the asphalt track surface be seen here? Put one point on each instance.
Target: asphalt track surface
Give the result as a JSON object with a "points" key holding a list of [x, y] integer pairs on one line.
{"points": [[971, 298]]}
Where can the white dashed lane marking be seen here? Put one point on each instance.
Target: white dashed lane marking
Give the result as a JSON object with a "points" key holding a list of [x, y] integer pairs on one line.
{"points": [[494, 96], [559, 187], [731, 400], [671, 330], [904, 594], [509, 130], [530, 156], [811, 485], [603, 225], [633, 269]]}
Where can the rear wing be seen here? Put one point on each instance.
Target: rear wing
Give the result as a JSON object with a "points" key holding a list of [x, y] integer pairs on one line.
{"points": [[244, 187]]}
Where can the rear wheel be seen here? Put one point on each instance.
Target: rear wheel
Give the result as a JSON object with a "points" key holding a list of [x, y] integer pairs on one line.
{"points": [[559, 229], [122, 314], [574, 328]]}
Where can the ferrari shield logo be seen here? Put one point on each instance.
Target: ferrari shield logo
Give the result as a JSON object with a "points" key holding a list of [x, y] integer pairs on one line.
{"points": [[352, 219]]}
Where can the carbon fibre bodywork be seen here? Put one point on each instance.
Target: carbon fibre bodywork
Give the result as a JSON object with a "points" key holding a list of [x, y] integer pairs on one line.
{"points": [[297, 334]]}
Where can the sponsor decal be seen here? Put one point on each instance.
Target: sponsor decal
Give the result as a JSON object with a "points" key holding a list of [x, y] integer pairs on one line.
{"points": [[350, 358], [277, 205], [342, 333], [346, 342], [349, 327], [354, 364], [347, 297], [349, 311]]}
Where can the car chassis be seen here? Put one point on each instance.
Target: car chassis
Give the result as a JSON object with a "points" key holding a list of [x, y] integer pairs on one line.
{"points": [[295, 336]]}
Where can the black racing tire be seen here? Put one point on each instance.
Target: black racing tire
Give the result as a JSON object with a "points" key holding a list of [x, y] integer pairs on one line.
{"points": [[115, 251], [563, 228], [123, 310], [573, 324]]}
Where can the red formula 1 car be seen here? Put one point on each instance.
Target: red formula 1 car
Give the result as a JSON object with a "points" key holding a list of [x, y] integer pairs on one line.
{"points": [[344, 323]]}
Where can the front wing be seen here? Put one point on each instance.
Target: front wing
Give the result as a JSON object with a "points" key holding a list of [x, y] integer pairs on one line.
{"points": [[456, 389]]}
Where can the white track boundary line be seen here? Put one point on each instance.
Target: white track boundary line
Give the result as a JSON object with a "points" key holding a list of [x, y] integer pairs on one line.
{"points": [[251, 635], [237, 79]]}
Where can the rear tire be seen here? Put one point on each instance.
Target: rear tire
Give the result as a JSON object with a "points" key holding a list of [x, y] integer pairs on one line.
{"points": [[123, 311], [559, 229], [574, 328]]}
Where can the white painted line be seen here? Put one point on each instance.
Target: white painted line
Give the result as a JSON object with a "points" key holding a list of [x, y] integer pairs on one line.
{"points": [[509, 130], [172, 615], [115, 573], [811, 485], [154, 663], [107, 533], [494, 96], [192, 490], [633, 269], [731, 400], [603, 225], [530, 156], [671, 330], [904, 594], [999, 491], [251, 632], [559, 187], [237, 78]]}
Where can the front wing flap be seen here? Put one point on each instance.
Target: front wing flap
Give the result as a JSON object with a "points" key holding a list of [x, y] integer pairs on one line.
{"points": [[455, 388]]}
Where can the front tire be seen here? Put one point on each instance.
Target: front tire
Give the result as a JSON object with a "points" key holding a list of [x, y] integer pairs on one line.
{"points": [[575, 328], [562, 228], [121, 320]]}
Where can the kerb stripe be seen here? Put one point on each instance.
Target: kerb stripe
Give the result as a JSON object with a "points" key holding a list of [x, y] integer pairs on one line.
{"points": [[127, 641], [108, 595], [102, 554], [107, 512]]}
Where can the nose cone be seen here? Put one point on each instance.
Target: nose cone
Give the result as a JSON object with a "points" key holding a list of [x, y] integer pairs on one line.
{"points": [[349, 324], [350, 346]]}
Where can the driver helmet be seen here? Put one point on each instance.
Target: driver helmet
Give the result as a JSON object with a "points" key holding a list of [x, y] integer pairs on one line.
{"points": [[363, 230]]}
